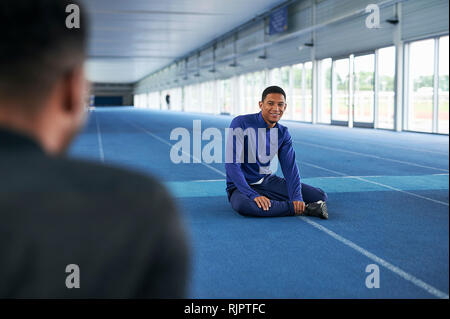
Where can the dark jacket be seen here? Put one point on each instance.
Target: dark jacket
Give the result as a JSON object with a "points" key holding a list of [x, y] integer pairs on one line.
{"points": [[120, 228]]}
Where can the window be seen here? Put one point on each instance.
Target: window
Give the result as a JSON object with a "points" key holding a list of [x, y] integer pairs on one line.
{"points": [[227, 96], [144, 100], [307, 92], [175, 99], [297, 91], [325, 91], [259, 88], [420, 86], [162, 101], [208, 97], [285, 77], [178, 99], [188, 98], [138, 100], [443, 86], [363, 89], [153, 100], [340, 92], [195, 99], [302, 91], [249, 92], [275, 77], [386, 87]]}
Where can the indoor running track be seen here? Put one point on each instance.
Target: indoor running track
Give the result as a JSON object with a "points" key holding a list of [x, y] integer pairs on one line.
{"points": [[388, 205]]}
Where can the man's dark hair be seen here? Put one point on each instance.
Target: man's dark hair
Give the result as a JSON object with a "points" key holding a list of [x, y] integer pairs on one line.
{"points": [[36, 47], [272, 89]]}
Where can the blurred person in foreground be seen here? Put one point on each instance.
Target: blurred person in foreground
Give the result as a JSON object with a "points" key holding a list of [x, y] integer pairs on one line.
{"points": [[70, 228]]}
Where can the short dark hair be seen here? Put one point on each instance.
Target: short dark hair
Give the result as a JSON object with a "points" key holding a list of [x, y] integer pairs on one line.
{"points": [[273, 89], [36, 47]]}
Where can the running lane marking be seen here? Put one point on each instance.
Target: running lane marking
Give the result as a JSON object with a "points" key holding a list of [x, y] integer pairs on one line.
{"points": [[375, 183], [99, 139], [169, 144], [372, 156], [403, 274]]}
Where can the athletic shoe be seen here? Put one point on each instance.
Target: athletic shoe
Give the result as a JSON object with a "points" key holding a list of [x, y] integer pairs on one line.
{"points": [[317, 209]]}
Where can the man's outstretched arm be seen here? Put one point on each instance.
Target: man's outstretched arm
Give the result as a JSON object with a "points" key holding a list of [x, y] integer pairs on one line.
{"points": [[233, 165], [286, 155]]}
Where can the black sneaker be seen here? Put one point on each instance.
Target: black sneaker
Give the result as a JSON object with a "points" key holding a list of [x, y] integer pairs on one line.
{"points": [[317, 209]]}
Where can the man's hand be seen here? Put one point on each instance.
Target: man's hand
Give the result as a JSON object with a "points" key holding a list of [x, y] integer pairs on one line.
{"points": [[263, 202], [299, 207]]}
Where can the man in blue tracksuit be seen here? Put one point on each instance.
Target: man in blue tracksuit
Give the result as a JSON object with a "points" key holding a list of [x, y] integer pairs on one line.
{"points": [[253, 140]]}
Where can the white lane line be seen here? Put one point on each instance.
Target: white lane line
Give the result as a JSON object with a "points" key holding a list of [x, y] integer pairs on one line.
{"points": [[99, 138], [376, 183], [359, 140], [207, 180], [321, 177], [403, 274], [169, 144], [371, 156], [322, 168], [417, 150], [367, 176], [402, 191]]}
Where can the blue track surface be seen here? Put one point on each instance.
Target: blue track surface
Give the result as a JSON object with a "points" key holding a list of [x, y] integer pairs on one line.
{"points": [[388, 205]]}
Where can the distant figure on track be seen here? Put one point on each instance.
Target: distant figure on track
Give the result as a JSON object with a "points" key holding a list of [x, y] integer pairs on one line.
{"points": [[168, 101], [252, 188], [70, 228]]}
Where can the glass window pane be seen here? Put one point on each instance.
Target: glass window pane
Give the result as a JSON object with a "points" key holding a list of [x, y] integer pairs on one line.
{"points": [[144, 100], [259, 88], [174, 99], [421, 69], [164, 105], [443, 86], [308, 92], [196, 102], [297, 91], [363, 90], [284, 74], [325, 91], [386, 87], [275, 77], [154, 100], [227, 96], [249, 85], [191, 98], [141, 100], [285, 85], [187, 90], [341, 90], [207, 97], [186, 98], [258, 78]]}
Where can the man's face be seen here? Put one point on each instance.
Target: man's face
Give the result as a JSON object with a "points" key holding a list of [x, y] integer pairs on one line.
{"points": [[273, 107]]}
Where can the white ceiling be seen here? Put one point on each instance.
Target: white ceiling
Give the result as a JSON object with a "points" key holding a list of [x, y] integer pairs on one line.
{"points": [[131, 39]]}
